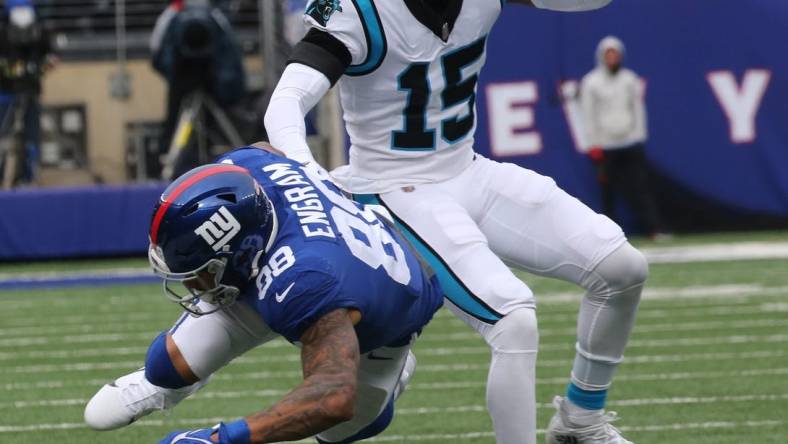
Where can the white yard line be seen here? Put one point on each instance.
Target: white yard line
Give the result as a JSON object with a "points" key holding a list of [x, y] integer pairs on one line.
{"points": [[733, 251], [428, 338], [719, 291], [414, 437], [430, 368], [745, 324], [438, 351], [703, 425], [476, 384], [73, 354], [678, 314], [73, 339], [65, 274], [728, 292], [649, 428], [81, 319], [132, 321], [465, 408], [459, 385], [696, 400]]}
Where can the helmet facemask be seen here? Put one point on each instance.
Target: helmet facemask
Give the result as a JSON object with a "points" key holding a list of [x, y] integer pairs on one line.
{"points": [[214, 221], [190, 288]]}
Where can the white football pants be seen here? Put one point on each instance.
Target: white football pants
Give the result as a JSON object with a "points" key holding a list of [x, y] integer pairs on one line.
{"points": [[492, 215]]}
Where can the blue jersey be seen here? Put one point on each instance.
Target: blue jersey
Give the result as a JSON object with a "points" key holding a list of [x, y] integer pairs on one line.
{"points": [[328, 252]]}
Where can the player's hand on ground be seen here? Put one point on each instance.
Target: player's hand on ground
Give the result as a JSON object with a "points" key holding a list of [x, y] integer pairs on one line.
{"points": [[199, 436]]}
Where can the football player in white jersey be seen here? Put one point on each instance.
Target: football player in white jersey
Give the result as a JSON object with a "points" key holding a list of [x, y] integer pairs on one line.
{"points": [[407, 73]]}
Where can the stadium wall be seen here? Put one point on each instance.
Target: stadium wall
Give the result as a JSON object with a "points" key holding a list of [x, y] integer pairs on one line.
{"points": [[76, 221], [716, 86], [88, 84]]}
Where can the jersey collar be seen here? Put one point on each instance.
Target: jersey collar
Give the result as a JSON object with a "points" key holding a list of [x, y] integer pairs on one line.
{"points": [[440, 23]]}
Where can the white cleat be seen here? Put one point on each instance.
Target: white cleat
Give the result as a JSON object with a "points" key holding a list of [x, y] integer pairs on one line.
{"points": [[129, 398], [593, 429]]}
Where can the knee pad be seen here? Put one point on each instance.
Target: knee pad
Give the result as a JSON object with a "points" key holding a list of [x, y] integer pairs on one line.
{"points": [[507, 286], [516, 332], [506, 293], [159, 369], [624, 269]]}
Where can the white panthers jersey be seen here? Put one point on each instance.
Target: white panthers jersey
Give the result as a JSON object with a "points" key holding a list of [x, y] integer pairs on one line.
{"points": [[409, 96]]}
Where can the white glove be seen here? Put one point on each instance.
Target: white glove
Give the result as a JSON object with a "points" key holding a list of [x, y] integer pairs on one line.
{"points": [[318, 169]]}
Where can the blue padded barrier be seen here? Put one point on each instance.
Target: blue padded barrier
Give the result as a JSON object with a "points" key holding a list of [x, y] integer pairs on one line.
{"points": [[76, 222]]}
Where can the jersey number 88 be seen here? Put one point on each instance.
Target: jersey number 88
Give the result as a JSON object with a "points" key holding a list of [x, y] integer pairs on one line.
{"points": [[377, 248]]}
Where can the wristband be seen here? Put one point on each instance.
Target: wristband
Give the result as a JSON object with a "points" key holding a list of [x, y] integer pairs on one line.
{"points": [[236, 432]]}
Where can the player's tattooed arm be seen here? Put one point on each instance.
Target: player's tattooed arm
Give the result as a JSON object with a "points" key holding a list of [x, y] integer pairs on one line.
{"points": [[330, 360]]}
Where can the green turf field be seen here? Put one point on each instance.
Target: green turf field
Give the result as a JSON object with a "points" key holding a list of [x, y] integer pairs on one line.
{"points": [[707, 364]]}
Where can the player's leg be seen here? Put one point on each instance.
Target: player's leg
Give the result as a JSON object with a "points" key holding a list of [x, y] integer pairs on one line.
{"points": [[536, 226], [382, 377], [178, 363], [482, 291], [511, 380]]}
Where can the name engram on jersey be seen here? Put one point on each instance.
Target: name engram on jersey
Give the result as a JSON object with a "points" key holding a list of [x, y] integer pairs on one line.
{"points": [[410, 91], [328, 252]]}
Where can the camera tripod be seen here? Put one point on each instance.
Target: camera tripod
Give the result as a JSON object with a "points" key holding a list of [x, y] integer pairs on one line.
{"points": [[194, 131]]}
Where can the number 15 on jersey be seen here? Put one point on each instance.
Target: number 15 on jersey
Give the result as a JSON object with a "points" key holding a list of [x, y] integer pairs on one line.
{"points": [[459, 87]]}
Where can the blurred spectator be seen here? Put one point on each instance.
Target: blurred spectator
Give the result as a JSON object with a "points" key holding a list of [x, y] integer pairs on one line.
{"points": [[195, 49], [615, 119], [25, 53]]}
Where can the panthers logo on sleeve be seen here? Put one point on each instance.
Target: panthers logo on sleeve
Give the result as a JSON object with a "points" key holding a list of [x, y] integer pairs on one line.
{"points": [[322, 10]]}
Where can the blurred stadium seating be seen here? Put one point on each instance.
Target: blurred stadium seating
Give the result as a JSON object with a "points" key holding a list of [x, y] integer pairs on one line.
{"points": [[86, 29]]}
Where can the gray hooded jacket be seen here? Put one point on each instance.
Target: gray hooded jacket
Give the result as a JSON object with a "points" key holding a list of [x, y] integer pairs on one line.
{"points": [[613, 107]]}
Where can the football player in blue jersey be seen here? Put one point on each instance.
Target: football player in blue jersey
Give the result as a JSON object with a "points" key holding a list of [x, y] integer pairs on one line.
{"points": [[263, 247]]}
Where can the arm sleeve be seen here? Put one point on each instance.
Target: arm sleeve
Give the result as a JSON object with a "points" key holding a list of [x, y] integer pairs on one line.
{"points": [[587, 104], [299, 89], [335, 41], [570, 5]]}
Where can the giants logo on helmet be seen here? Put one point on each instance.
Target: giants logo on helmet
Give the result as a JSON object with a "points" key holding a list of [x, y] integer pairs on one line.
{"points": [[219, 229]]}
